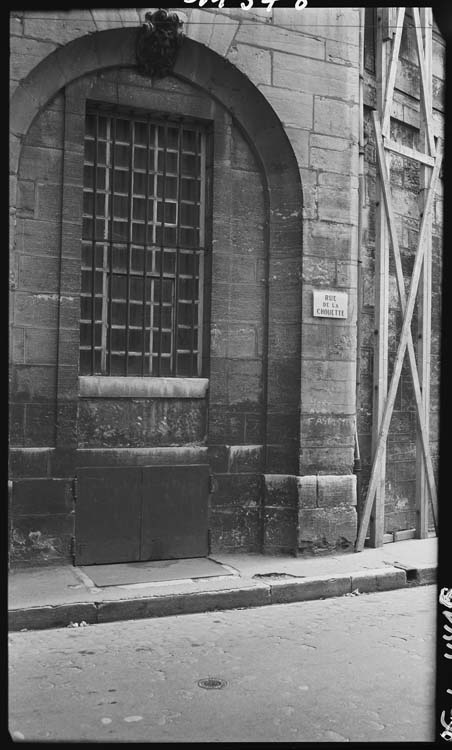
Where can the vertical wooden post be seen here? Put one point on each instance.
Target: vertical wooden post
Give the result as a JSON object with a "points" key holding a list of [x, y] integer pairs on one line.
{"points": [[380, 373], [425, 286]]}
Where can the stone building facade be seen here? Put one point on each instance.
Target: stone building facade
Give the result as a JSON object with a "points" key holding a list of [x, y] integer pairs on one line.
{"points": [[234, 425]]}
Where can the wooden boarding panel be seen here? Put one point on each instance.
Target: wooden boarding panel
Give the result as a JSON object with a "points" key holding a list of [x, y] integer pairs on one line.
{"points": [[141, 513], [175, 512], [108, 515]]}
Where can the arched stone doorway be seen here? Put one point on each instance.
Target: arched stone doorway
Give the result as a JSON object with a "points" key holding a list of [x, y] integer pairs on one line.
{"points": [[266, 440]]}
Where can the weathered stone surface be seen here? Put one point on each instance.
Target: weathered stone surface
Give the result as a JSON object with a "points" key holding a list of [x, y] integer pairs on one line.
{"points": [[280, 530], [243, 341], [129, 423], [245, 458], [312, 84], [45, 162], [336, 491], [342, 52], [16, 424], [282, 426], [283, 383], [338, 207], [226, 426], [38, 274], [40, 424], [43, 496], [235, 530], [218, 458], [326, 491], [29, 462], [26, 192], [283, 458], [293, 108], [254, 426], [307, 488], [33, 383], [299, 140], [128, 457], [329, 529], [27, 53], [315, 77], [325, 429], [237, 490], [280, 490], [319, 271], [329, 460], [42, 539], [255, 62], [63, 30], [328, 387], [329, 239], [272, 37]]}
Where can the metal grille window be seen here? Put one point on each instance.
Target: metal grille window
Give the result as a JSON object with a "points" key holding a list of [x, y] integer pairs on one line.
{"points": [[143, 245]]}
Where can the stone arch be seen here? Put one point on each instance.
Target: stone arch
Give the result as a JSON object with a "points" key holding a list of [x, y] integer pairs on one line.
{"points": [[205, 69]]}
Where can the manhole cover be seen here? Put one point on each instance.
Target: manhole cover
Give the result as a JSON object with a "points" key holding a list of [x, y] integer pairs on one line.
{"points": [[212, 683]]}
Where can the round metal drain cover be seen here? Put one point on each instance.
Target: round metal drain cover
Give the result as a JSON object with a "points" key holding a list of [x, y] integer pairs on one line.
{"points": [[212, 683]]}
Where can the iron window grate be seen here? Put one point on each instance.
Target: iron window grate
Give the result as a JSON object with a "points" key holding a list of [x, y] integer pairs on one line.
{"points": [[142, 245]]}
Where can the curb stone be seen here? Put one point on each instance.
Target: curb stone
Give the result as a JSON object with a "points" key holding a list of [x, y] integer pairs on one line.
{"points": [[257, 595], [58, 616], [379, 580], [307, 589], [179, 604]]}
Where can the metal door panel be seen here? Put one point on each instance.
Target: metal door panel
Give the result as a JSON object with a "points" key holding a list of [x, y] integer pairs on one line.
{"points": [[108, 515], [175, 512]]}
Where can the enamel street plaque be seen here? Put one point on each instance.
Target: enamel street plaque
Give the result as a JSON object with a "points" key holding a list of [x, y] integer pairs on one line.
{"points": [[330, 304]]}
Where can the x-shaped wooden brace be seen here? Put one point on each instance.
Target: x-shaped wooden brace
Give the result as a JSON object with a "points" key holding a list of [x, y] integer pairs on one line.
{"points": [[407, 306]]}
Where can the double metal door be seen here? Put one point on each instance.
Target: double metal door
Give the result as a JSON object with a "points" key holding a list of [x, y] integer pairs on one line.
{"points": [[141, 513]]}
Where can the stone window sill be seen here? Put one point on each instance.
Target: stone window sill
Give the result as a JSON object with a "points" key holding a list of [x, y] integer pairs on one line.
{"points": [[92, 386]]}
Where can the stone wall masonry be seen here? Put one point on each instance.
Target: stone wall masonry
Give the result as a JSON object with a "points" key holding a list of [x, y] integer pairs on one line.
{"points": [[326, 387], [26, 53], [332, 459], [280, 39], [337, 24], [326, 491], [292, 107], [111, 423], [36, 303], [316, 77], [305, 63], [256, 63], [331, 529], [237, 531], [42, 520]]}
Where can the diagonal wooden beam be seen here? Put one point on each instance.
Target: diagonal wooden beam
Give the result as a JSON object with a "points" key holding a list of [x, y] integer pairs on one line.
{"points": [[388, 94], [425, 97], [381, 307], [424, 301], [401, 288], [404, 335]]}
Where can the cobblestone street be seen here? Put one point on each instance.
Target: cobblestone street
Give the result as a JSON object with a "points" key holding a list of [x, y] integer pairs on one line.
{"points": [[355, 668]]}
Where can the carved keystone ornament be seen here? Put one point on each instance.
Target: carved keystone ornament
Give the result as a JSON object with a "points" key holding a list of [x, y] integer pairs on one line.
{"points": [[158, 43]]}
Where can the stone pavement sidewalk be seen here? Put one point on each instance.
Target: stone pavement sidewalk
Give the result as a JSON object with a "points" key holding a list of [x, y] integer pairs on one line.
{"points": [[58, 596]]}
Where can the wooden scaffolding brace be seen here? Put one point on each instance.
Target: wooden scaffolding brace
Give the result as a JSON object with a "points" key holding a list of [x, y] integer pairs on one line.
{"points": [[389, 34]]}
